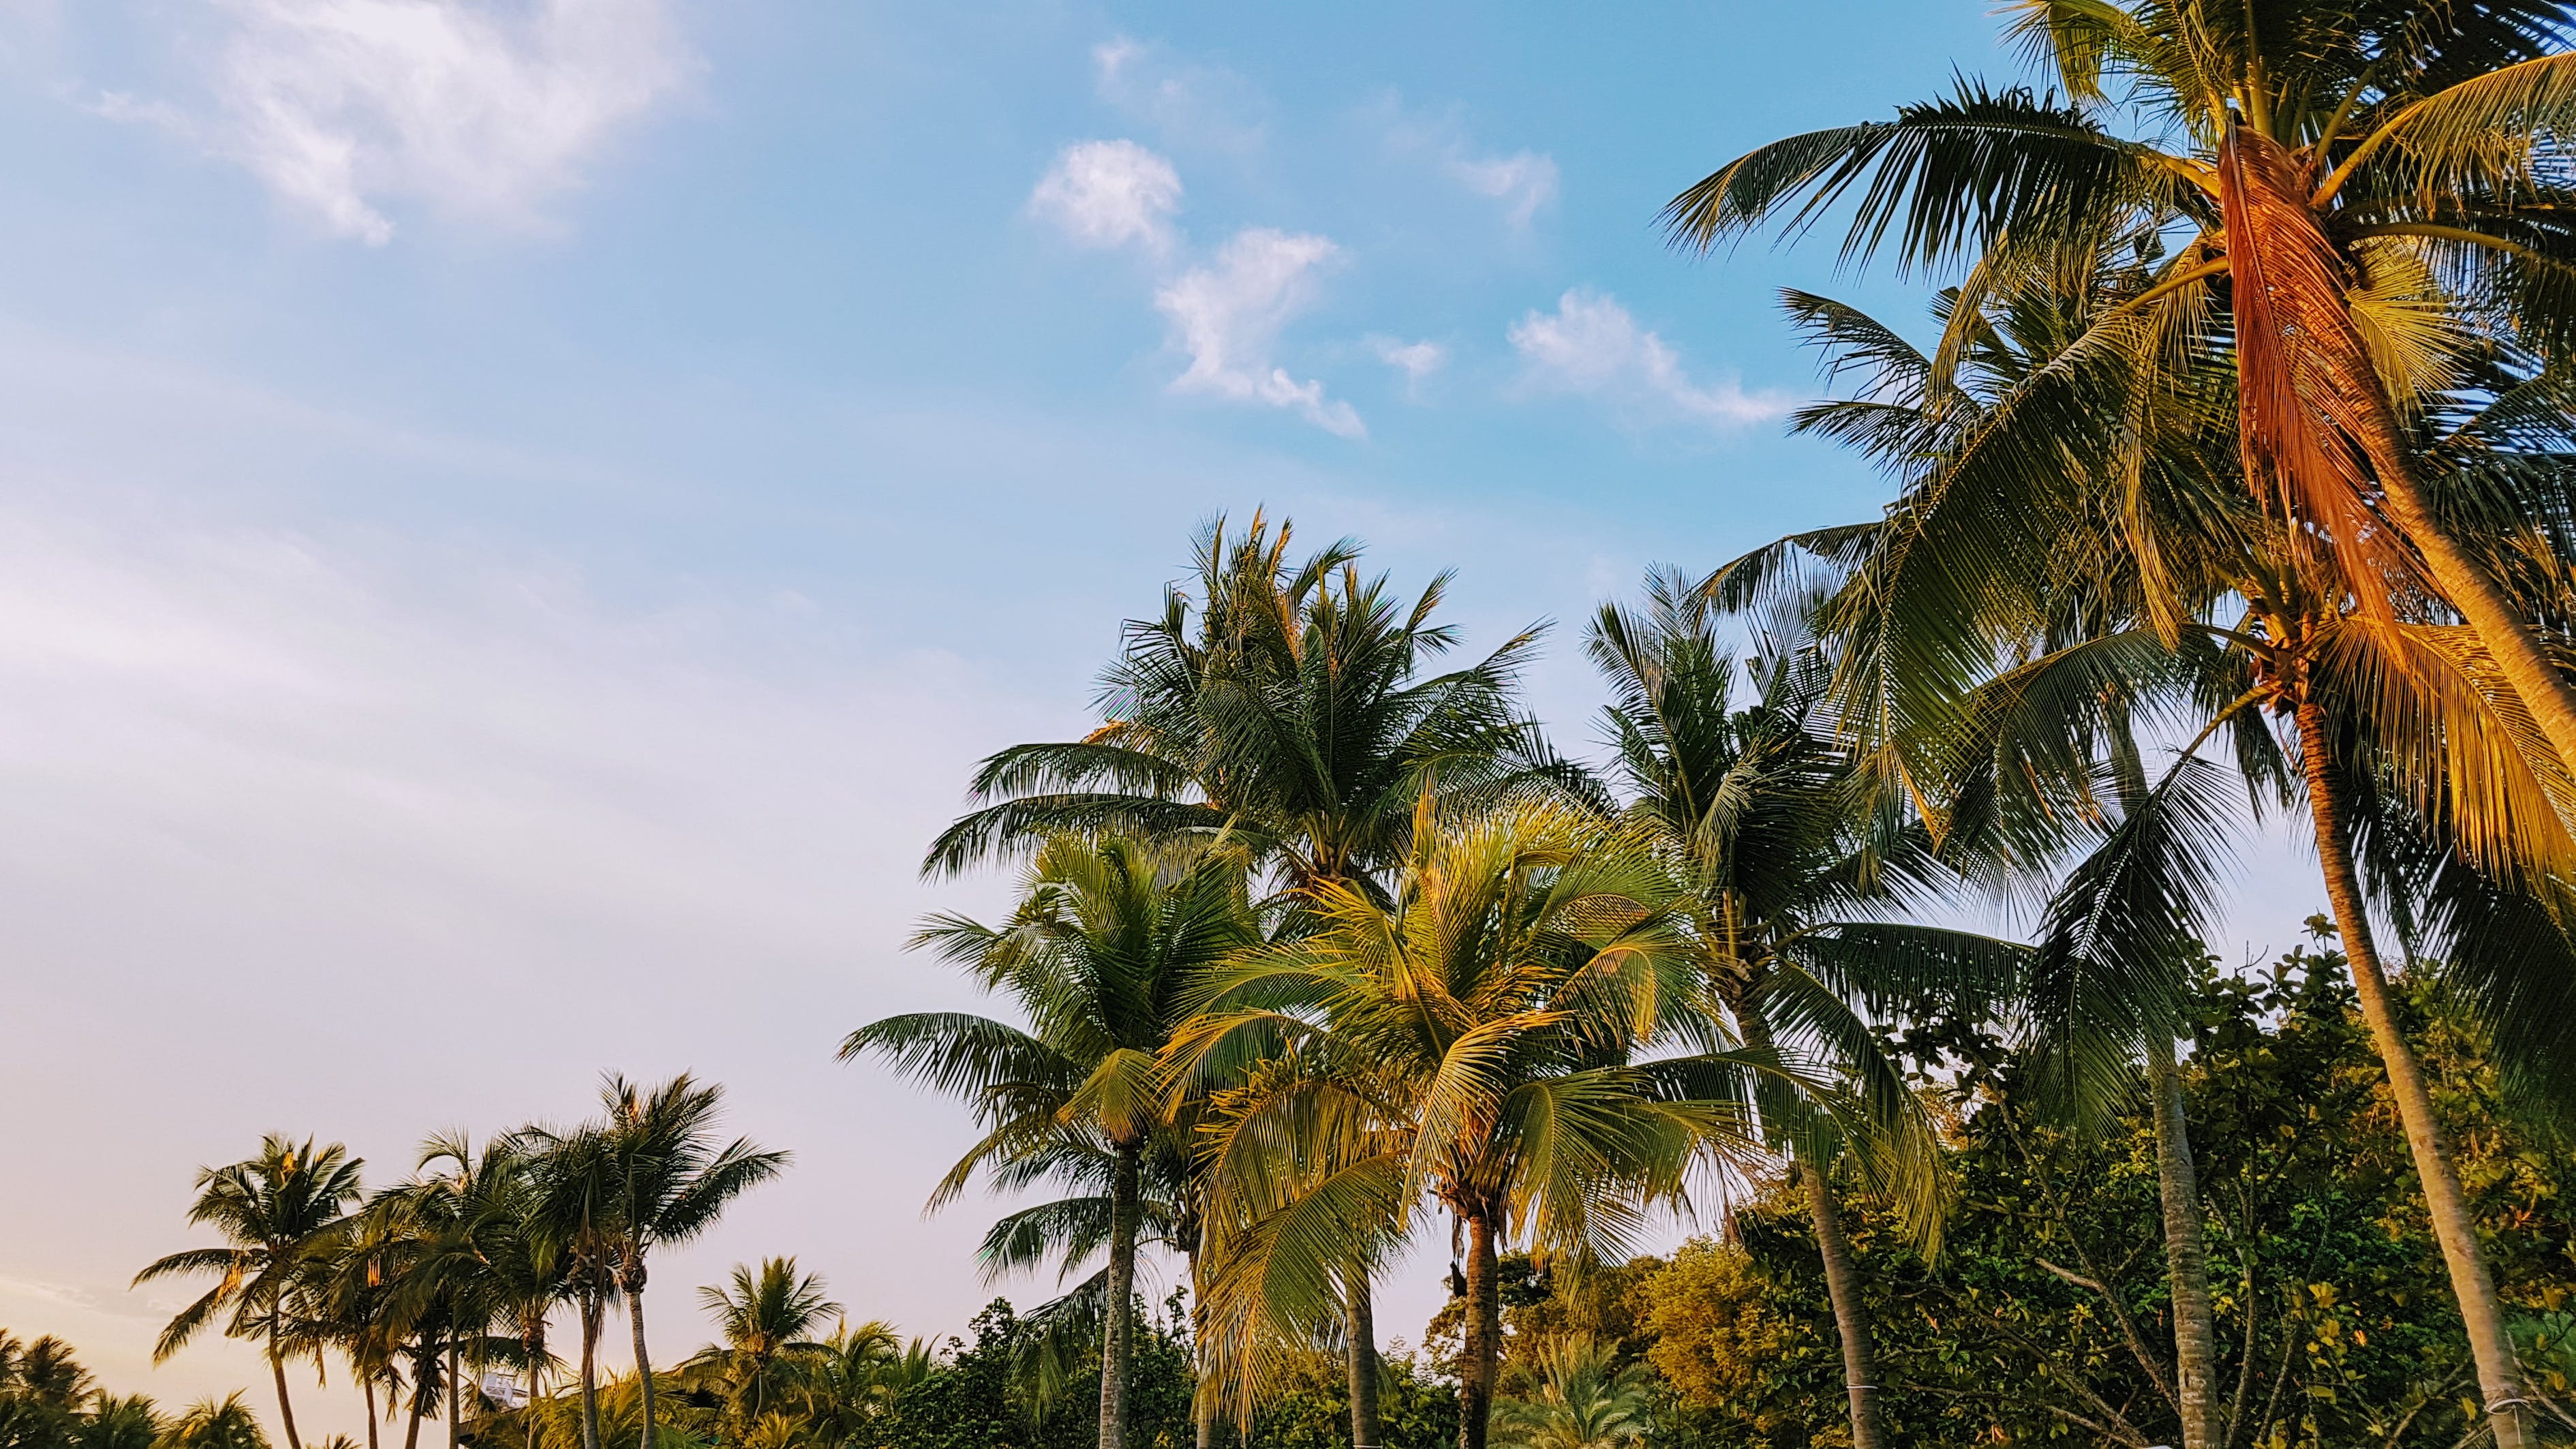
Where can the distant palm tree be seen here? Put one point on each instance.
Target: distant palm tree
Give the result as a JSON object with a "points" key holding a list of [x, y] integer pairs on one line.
{"points": [[461, 1267], [276, 1212], [1102, 950], [765, 1320], [225, 1423], [118, 1423], [1585, 1399], [651, 1173]]}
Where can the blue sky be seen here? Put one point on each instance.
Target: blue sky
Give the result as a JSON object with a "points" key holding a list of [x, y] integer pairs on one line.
{"points": [[516, 516]]}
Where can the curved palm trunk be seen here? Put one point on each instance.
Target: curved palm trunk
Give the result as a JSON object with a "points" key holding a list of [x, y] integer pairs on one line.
{"points": [[419, 1401], [634, 1286], [592, 1310], [1126, 1199], [285, 1406], [1851, 1321], [2186, 1256], [1842, 1278], [2481, 1310], [1484, 1336], [367, 1389], [1360, 1327]]}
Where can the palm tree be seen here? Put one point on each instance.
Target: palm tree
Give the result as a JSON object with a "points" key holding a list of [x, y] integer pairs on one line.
{"points": [[118, 1423], [275, 1211], [655, 1172], [2365, 195], [1758, 813], [1288, 709], [1474, 1041], [1108, 939], [464, 1271], [2125, 619], [1586, 1399], [765, 1321], [572, 1228], [225, 1423]]}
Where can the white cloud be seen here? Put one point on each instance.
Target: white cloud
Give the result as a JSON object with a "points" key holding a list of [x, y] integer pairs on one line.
{"points": [[1416, 360], [1591, 345], [1523, 181], [1228, 314], [1110, 193], [482, 110]]}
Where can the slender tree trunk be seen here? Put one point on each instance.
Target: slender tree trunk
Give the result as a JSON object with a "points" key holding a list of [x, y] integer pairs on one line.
{"points": [[420, 1374], [633, 1284], [2186, 1257], [455, 1397], [1202, 1403], [1484, 1336], [535, 1343], [1851, 1320], [2481, 1310], [1360, 1361], [592, 1310], [1126, 1198], [367, 1388], [285, 1406]]}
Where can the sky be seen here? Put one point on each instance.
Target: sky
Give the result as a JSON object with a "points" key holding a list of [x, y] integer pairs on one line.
{"points": [[517, 518]]}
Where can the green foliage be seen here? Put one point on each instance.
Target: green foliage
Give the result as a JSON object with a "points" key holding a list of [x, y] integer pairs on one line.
{"points": [[2047, 1317], [987, 1393], [1309, 1405], [225, 1423]]}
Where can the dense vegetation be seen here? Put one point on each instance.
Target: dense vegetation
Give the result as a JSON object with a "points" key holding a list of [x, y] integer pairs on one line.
{"points": [[2238, 483]]}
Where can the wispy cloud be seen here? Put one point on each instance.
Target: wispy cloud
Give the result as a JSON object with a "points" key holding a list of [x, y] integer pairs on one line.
{"points": [[1189, 103], [1227, 316], [1109, 194], [481, 111], [1591, 345], [1416, 360], [1523, 181]]}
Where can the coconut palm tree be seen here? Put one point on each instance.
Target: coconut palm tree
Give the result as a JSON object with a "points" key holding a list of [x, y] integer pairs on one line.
{"points": [[572, 1227], [1106, 943], [461, 1266], [225, 1423], [1476, 1042], [651, 1173], [1290, 709], [1759, 813], [2174, 594], [276, 1212], [1586, 1399], [2343, 203], [765, 1322], [118, 1423]]}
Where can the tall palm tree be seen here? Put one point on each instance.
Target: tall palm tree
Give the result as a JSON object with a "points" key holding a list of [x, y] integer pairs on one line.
{"points": [[2174, 593], [2364, 195], [466, 1277], [276, 1211], [1107, 941], [1289, 708], [651, 1173], [765, 1320], [1759, 814], [1475, 1042]]}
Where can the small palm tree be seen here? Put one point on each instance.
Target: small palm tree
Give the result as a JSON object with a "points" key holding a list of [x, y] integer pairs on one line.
{"points": [[1585, 1399], [765, 1321], [225, 1423], [119, 1423], [1106, 944], [276, 1211], [651, 1173]]}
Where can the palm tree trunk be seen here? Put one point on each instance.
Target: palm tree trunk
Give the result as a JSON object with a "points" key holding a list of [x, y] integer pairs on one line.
{"points": [[2186, 1256], [1360, 1327], [277, 1365], [455, 1396], [535, 1343], [419, 1389], [1851, 1320], [1484, 1336], [634, 1286], [2481, 1310], [1202, 1403], [592, 1309], [1126, 1198], [1842, 1278], [367, 1388]]}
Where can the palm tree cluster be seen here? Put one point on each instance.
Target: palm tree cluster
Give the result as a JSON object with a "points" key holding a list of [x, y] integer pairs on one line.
{"points": [[431, 1288]]}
